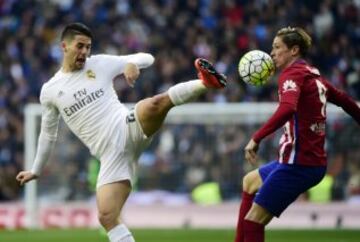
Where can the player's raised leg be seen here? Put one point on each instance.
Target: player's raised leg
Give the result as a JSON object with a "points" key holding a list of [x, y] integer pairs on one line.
{"points": [[110, 200], [151, 112]]}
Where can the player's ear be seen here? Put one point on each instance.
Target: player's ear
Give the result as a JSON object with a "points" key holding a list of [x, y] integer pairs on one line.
{"points": [[295, 50], [64, 46]]}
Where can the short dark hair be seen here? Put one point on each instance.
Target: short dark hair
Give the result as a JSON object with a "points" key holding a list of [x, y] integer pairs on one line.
{"points": [[73, 29], [295, 36]]}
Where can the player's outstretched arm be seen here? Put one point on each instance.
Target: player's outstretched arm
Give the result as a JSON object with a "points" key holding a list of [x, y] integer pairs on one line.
{"points": [[42, 155], [343, 100], [131, 73], [25, 176], [134, 63], [47, 137], [142, 60]]}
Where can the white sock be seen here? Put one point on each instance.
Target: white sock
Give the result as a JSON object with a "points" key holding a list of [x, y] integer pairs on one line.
{"points": [[186, 91], [120, 233]]}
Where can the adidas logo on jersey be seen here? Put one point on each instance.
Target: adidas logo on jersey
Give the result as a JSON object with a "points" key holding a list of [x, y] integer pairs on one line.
{"points": [[60, 94], [289, 85]]}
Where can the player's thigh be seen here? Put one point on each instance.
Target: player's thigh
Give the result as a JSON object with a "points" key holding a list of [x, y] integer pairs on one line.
{"points": [[151, 112], [252, 182], [255, 179], [112, 197], [284, 184]]}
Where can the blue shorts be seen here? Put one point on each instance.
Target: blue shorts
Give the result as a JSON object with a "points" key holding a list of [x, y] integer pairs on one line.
{"points": [[283, 183]]}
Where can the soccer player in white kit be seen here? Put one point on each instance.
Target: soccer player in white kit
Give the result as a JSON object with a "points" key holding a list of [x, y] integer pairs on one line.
{"points": [[82, 93]]}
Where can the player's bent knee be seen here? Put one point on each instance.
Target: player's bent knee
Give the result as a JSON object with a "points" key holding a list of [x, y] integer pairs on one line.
{"points": [[259, 214], [252, 182], [108, 219], [155, 105]]}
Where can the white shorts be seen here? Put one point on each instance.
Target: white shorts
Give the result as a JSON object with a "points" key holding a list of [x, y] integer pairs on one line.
{"points": [[119, 161]]}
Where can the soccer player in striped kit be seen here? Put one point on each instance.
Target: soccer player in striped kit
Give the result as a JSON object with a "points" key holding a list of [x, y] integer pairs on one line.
{"points": [[82, 93], [303, 94]]}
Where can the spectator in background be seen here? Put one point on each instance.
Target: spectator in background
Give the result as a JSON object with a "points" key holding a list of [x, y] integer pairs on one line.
{"points": [[353, 186], [321, 193], [9, 188]]}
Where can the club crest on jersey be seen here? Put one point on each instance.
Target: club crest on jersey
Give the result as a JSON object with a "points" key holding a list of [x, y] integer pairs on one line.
{"points": [[90, 74], [289, 85]]}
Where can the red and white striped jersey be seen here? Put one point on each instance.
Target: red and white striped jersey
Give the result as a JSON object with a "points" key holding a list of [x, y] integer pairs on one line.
{"points": [[303, 94]]}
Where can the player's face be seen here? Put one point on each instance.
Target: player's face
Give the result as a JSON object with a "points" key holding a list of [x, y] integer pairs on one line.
{"points": [[281, 54], [76, 51]]}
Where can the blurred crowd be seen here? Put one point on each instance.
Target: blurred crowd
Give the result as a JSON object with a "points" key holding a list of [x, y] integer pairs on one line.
{"points": [[177, 32]]}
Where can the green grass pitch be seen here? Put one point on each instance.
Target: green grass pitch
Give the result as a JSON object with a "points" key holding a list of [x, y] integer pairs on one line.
{"points": [[179, 235]]}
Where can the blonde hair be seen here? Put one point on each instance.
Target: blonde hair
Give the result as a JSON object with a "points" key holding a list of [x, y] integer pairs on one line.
{"points": [[292, 36]]}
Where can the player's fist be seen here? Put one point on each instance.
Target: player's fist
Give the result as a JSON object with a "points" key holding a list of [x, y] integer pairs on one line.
{"points": [[25, 176], [131, 73], [250, 151]]}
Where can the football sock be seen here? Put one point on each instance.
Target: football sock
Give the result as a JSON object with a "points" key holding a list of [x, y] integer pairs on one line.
{"points": [[253, 232], [246, 202], [120, 233], [186, 91]]}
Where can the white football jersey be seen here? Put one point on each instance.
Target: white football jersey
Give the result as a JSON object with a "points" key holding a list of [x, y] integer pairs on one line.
{"points": [[87, 101]]}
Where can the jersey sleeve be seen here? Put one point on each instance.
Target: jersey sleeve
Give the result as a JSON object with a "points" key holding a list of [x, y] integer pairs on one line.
{"points": [[283, 113], [48, 133], [344, 101], [49, 116], [289, 89], [115, 65]]}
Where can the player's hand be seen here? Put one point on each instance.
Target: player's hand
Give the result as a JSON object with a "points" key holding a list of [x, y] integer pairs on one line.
{"points": [[250, 151], [25, 176], [131, 73]]}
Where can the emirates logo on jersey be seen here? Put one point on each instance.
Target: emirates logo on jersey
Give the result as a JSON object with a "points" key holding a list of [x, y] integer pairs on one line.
{"points": [[289, 85], [83, 99]]}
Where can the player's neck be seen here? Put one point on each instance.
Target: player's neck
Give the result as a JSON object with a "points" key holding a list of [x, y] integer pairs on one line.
{"points": [[67, 67], [292, 62]]}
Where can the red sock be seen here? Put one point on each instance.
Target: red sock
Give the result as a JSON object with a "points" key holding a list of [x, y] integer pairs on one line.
{"points": [[246, 203], [253, 232]]}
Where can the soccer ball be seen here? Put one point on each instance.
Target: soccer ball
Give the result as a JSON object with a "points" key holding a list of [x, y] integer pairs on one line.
{"points": [[256, 67]]}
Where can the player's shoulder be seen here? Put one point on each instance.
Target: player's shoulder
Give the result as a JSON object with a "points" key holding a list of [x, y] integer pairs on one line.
{"points": [[93, 59], [100, 60], [58, 77], [299, 70], [52, 84], [302, 68]]}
